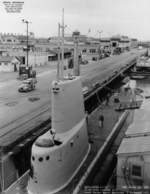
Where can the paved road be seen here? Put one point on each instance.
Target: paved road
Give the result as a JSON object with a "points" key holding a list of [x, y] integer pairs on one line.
{"points": [[15, 107]]}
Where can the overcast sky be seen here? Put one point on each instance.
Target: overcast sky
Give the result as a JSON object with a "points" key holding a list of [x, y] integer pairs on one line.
{"points": [[125, 17]]}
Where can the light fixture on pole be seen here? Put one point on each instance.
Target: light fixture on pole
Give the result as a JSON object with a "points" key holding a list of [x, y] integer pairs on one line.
{"points": [[27, 49]]}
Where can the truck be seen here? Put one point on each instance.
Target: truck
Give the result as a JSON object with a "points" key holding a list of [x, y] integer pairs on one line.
{"points": [[27, 85], [26, 72]]}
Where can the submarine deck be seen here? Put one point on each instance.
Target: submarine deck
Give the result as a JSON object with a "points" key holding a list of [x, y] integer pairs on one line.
{"points": [[98, 136]]}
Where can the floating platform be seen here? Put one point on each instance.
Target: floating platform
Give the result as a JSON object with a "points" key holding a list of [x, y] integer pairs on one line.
{"points": [[128, 105]]}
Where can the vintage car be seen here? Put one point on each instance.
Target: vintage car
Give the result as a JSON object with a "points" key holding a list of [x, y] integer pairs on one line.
{"points": [[84, 62], [27, 85]]}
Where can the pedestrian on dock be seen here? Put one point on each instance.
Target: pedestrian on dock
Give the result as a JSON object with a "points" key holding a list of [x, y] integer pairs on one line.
{"points": [[107, 99], [101, 121]]}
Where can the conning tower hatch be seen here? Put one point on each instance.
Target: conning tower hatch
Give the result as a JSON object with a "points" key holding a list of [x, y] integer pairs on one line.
{"points": [[47, 142]]}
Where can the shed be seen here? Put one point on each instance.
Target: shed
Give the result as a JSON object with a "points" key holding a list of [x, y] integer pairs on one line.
{"points": [[133, 162], [8, 63]]}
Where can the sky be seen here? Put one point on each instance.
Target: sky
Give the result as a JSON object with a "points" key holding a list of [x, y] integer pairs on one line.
{"points": [[112, 17]]}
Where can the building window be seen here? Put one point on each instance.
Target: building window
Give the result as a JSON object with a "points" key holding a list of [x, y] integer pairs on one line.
{"points": [[84, 51], [114, 44], [92, 50], [49, 58], [136, 171], [9, 40], [5, 63]]}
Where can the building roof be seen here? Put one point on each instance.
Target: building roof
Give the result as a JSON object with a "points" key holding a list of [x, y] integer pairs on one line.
{"points": [[139, 129], [19, 58], [105, 39], [138, 133], [117, 37], [55, 50], [6, 58], [134, 146], [141, 121], [124, 41], [134, 39]]}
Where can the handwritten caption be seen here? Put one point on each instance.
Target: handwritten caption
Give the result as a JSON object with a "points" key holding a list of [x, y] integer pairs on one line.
{"points": [[13, 6]]}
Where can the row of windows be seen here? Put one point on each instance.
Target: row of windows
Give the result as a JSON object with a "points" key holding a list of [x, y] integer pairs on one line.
{"points": [[8, 40], [84, 51], [4, 63], [90, 50]]}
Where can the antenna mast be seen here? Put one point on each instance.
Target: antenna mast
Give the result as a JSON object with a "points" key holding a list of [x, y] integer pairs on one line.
{"points": [[62, 46], [58, 64]]}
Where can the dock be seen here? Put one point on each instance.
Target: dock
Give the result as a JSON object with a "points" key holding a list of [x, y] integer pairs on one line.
{"points": [[100, 138]]}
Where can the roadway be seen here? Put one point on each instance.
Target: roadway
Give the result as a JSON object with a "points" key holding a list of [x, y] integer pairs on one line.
{"points": [[17, 109]]}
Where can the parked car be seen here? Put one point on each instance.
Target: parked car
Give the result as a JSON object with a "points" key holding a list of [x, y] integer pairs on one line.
{"points": [[84, 62], [27, 85]]}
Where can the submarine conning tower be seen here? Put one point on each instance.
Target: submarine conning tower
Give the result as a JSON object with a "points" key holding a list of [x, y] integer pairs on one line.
{"points": [[55, 164], [67, 104], [58, 154]]}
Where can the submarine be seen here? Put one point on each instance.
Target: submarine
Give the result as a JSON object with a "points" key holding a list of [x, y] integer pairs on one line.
{"points": [[57, 155]]}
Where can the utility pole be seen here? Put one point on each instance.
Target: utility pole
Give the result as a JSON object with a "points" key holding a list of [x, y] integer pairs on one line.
{"points": [[27, 23], [99, 50]]}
